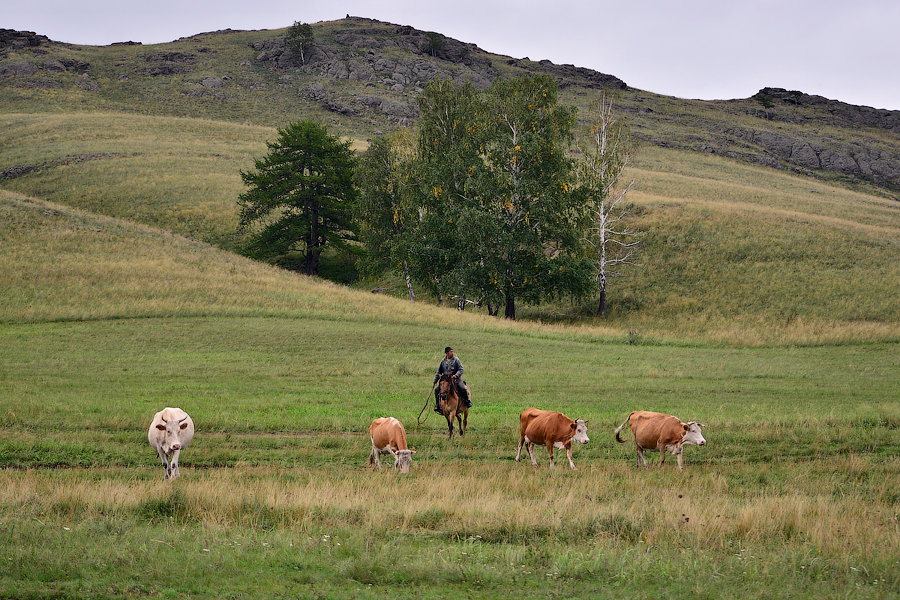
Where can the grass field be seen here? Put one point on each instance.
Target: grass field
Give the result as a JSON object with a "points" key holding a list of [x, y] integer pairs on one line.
{"points": [[765, 307], [103, 322]]}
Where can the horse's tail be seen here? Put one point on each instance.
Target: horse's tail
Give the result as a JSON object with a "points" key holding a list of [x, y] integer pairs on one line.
{"points": [[619, 428]]}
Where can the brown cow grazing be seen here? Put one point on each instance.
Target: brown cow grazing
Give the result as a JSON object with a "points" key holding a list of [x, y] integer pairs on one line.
{"points": [[551, 429], [389, 437], [658, 431]]}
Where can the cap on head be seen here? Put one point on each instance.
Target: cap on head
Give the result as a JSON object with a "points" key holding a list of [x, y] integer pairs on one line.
{"points": [[447, 349]]}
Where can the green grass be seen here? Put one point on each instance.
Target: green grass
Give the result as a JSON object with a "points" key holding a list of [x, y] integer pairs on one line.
{"points": [[104, 322]]}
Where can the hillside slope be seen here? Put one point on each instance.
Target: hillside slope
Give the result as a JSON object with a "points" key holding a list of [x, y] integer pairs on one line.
{"points": [[363, 76], [733, 251]]}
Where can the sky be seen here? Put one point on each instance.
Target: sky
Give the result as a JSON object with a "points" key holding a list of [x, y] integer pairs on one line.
{"points": [[706, 49]]}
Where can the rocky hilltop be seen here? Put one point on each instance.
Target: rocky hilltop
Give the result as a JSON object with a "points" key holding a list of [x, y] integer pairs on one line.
{"points": [[363, 76]]}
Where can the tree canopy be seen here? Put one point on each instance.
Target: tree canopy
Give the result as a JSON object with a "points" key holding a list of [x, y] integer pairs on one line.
{"points": [[492, 213], [300, 197]]}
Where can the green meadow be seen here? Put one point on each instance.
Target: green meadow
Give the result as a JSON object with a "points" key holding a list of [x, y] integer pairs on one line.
{"points": [[103, 321]]}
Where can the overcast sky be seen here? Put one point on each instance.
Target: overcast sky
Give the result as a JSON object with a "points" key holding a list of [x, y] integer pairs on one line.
{"points": [[709, 49]]}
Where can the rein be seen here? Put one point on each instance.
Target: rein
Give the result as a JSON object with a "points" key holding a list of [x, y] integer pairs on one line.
{"points": [[419, 419]]}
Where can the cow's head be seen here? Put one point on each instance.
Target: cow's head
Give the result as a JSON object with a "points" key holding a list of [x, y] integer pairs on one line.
{"points": [[579, 427], [692, 434], [171, 438], [404, 459]]}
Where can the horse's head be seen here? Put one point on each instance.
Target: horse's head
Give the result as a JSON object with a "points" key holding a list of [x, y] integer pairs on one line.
{"points": [[446, 387]]}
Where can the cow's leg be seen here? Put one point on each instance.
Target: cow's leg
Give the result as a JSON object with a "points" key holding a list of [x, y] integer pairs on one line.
{"points": [[550, 452], [519, 450], [530, 446], [396, 456], [569, 454], [176, 472], [641, 461], [662, 455], [680, 464], [372, 454], [165, 461], [377, 452]]}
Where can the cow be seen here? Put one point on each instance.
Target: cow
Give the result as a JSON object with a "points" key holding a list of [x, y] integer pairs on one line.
{"points": [[551, 429], [170, 432], [658, 431], [389, 437]]}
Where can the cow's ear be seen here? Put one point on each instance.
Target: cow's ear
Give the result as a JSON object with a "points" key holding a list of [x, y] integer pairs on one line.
{"points": [[160, 426], [573, 426], [184, 425], [685, 426]]}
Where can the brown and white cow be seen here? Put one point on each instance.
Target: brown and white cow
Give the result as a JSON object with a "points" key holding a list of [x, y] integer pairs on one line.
{"points": [[171, 430], [389, 437], [658, 431], [551, 429]]}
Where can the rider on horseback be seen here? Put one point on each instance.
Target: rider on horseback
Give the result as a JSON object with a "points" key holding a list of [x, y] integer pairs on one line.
{"points": [[450, 364]]}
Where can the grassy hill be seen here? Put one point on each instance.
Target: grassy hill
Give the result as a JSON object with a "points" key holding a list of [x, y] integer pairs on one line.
{"points": [[799, 260]]}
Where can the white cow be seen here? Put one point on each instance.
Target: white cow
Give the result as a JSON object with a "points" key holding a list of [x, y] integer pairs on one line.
{"points": [[170, 431]]}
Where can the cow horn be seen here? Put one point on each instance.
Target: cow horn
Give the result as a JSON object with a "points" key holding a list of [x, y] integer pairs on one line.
{"points": [[182, 419]]}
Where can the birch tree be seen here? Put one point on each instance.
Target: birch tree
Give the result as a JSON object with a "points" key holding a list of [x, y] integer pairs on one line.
{"points": [[299, 38], [389, 208], [605, 158]]}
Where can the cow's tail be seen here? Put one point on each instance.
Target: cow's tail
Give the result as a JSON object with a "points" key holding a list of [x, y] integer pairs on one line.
{"points": [[619, 428]]}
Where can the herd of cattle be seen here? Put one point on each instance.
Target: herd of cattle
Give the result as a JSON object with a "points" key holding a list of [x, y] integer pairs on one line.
{"points": [[172, 429]]}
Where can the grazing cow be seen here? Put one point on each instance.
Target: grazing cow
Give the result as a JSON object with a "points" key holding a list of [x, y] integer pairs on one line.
{"points": [[170, 432], [389, 437], [551, 429], [658, 431]]}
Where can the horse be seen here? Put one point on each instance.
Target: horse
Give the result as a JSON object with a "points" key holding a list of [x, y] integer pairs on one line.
{"points": [[451, 405]]}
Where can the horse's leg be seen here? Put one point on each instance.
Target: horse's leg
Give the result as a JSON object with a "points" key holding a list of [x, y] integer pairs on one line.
{"points": [[466, 419], [459, 421], [450, 418]]}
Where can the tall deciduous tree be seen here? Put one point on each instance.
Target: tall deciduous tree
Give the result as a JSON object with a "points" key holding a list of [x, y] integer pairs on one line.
{"points": [[503, 219], [389, 205], [450, 147], [530, 191], [605, 158], [300, 197]]}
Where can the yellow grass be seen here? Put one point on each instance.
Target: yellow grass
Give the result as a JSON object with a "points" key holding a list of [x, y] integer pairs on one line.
{"points": [[690, 510]]}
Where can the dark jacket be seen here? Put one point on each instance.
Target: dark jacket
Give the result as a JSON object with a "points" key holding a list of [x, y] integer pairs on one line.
{"points": [[451, 366]]}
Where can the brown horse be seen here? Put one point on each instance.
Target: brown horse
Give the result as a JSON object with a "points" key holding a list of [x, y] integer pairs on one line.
{"points": [[451, 405]]}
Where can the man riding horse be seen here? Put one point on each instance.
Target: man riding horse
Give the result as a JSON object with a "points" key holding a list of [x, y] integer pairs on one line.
{"points": [[451, 365]]}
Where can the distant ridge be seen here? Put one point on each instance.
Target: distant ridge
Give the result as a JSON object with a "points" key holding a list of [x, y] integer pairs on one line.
{"points": [[362, 76]]}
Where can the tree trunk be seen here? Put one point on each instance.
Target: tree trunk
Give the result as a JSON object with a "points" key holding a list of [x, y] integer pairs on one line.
{"points": [[601, 305], [412, 295], [510, 305], [311, 265]]}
